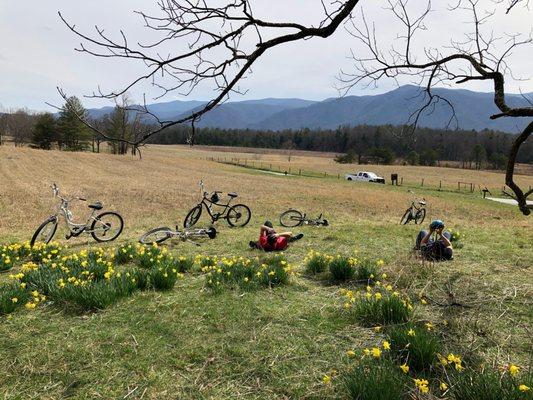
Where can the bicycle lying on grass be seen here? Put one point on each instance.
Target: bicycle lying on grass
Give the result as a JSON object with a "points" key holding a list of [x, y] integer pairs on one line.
{"points": [[104, 227], [416, 212], [159, 235], [293, 218], [237, 216]]}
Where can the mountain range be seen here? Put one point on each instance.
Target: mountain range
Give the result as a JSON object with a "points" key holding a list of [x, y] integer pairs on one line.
{"points": [[472, 110]]}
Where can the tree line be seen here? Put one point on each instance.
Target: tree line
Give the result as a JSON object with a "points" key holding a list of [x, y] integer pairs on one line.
{"points": [[365, 143], [361, 144], [67, 131]]}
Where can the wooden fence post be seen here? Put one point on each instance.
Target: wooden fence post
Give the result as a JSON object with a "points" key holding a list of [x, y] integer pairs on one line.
{"points": [[422, 182]]}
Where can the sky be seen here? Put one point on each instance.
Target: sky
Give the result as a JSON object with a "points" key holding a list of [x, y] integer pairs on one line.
{"points": [[37, 50]]}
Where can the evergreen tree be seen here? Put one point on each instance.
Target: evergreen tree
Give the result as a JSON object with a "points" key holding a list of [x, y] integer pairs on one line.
{"points": [[44, 132], [413, 158], [73, 134]]}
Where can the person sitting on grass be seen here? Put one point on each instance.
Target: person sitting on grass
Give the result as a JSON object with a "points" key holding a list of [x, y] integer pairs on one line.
{"points": [[435, 244], [269, 240]]}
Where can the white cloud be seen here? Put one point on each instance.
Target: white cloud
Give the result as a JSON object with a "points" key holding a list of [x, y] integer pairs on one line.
{"points": [[37, 50]]}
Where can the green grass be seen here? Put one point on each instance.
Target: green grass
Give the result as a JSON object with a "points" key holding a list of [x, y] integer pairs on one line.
{"points": [[415, 346], [182, 344], [491, 385], [190, 342], [12, 296], [342, 269], [375, 380]]}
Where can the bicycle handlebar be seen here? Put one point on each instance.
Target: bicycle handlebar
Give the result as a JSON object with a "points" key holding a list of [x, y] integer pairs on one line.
{"points": [[56, 194]]}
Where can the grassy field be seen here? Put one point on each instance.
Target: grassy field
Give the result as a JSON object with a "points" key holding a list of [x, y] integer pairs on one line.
{"points": [[275, 343]]}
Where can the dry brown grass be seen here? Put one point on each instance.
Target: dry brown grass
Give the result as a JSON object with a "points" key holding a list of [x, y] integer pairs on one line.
{"points": [[162, 187], [324, 162]]}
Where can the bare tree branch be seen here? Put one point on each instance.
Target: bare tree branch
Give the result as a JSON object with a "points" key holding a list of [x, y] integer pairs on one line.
{"points": [[215, 53], [479, 57]]}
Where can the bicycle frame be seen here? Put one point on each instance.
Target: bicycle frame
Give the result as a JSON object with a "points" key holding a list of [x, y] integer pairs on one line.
{"points": [[414, 209], [310, 221], [189, 234], [74, 228], [208, 204]]}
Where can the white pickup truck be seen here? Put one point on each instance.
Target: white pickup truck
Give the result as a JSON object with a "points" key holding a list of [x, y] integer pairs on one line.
{"points": [[365, 177]]}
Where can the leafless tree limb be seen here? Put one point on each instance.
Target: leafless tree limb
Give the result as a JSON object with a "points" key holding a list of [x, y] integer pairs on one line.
{"points": [[215, 53], [480, 57]]}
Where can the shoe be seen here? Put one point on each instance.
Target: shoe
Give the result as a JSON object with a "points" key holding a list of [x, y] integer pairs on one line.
{"points": [[253, 245], [297, 237]]}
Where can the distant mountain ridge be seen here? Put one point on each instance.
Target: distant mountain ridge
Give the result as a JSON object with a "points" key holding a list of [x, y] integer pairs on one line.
{"points": [[472, 110]]}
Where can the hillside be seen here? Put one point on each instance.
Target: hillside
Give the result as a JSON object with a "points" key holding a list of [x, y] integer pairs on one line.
{"points": [[472, 110], [193, 341]]}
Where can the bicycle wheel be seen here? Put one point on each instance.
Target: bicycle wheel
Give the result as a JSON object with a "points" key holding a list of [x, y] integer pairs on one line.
{"points": [[45, 232], [157, 235], [406, 217], [291, 218], [239, 215], [420, 215], [107, 227], [192, 218]]}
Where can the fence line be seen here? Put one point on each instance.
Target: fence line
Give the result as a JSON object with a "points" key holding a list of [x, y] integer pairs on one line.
{"points": [[468, 187]]}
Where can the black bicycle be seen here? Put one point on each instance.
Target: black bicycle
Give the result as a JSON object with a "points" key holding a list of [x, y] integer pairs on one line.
{"points": [[237, 215], [159, 235], [293, 218], [416, 212]]}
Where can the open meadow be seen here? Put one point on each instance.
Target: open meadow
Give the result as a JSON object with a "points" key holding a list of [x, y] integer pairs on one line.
{"points": [[285, 341]]}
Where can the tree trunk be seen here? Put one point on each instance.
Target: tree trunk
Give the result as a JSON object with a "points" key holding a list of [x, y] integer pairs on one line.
{"points": [[521, 197]]}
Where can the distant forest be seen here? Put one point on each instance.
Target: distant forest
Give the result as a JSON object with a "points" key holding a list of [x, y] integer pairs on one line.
{"points": [[370, 143], [362, 144]]}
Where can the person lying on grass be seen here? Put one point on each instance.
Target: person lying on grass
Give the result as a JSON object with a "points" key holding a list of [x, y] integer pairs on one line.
{"points": [[269, 240], [435, 244]]}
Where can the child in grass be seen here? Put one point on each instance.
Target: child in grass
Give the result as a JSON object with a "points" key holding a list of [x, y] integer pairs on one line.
{"points": [[435, 244], [269, 240]]}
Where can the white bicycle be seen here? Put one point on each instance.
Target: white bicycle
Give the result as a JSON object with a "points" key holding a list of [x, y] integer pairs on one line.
{"points": [[159, 235], [103, 227]]}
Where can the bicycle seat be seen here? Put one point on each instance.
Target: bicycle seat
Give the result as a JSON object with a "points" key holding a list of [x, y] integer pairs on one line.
{"points": [[233, 195], [96, 206], [422, 203]]}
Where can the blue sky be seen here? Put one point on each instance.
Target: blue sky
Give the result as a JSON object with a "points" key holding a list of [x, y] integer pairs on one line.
{"points": [[37, 50]]}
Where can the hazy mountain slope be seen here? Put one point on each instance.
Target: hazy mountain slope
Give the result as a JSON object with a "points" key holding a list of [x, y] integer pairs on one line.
{"points": [[472, 110], [242, 115]]}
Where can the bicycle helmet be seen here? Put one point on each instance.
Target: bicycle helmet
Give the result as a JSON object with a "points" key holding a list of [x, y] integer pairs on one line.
{"points": [[269, 224], [436, 224]]}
